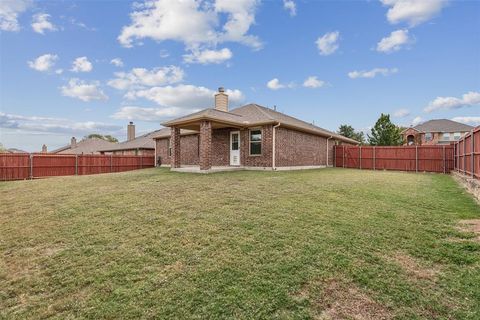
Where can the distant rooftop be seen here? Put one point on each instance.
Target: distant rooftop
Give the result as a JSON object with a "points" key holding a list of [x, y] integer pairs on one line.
{"points": [[442, 125]]}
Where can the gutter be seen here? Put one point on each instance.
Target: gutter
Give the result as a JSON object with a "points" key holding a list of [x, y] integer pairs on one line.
{"points": [[327, 150], [274, 167]]}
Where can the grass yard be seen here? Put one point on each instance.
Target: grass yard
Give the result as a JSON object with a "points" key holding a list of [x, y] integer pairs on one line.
{"points": [[321, 244]]}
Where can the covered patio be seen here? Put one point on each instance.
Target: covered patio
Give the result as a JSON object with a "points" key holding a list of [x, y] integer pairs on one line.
{"points": [[218, 131]]}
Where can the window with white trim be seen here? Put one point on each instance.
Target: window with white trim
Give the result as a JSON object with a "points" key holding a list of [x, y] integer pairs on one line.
{"points": [[169, 147], [446, 136], [428, 136], [255, 142], [457, 136]]}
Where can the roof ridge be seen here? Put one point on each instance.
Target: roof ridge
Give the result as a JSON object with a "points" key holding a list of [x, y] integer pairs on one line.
{"points": [[216, 110]]}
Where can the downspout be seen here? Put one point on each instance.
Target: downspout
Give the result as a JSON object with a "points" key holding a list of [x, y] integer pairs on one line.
{"points": [[274, 167], [327, 151]]}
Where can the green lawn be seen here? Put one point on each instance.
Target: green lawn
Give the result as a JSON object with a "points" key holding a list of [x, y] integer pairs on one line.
{"points": [[324, 244]]}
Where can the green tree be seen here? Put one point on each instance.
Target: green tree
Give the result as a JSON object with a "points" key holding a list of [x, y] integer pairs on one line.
{"points": [[385, 133], [2, 148], [103, 137], [349, 132]]}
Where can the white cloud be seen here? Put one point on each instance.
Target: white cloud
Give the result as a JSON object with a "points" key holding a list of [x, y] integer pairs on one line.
{"points": [[184, 96], [117, 62], [43, 63], [394, 41], [417, 120], [313, 82], [290, 6], [446, 103], [401, 113], [59, 71], [473, 121], [413, 12], [83, 90], [9, 12], [41, 23], [195, 23], [139, 77], [81, 64], [275, 84], [372, 73], [53, 125], [150, 114], [328, 43], [208, 56]]}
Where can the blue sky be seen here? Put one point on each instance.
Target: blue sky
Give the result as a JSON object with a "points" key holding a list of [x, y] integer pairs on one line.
{"points": [[69, 68]]}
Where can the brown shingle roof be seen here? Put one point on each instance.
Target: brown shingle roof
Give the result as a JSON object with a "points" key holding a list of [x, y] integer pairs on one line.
{"points": [[254, 114], [85, 146], [165, 133], [142, 142], [443, 125]]}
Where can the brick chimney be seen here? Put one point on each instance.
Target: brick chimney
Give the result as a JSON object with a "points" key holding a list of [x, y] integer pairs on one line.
{"points": [[44, 148], [130, 131], [221, 100], [73, 142]]}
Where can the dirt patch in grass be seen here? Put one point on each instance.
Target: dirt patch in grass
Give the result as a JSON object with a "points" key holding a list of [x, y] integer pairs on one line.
{"points": [[341, 300], [413, 267], [471, 225]]}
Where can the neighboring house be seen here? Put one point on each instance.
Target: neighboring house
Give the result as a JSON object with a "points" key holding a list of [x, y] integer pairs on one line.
{"points": [[142, 145], [85, 146], [251, 136], [14, 150], [439, 131]]}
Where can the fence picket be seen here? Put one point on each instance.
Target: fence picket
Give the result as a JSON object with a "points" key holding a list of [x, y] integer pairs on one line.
{"points": [[30, 166]]}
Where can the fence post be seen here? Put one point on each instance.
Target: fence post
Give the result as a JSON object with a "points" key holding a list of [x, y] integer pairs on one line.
{"points": [[444, 169], [141, 162], [334, 156], [373, 157], [465, 155], [416, 158], [111, 163], [343, 155], [360, 158], [31, 166], [473, 154], [76, 164]]}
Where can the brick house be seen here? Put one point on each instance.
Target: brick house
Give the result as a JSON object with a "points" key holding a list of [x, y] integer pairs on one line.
{"points": [[141, 145], [248, 137], [434, 132]]}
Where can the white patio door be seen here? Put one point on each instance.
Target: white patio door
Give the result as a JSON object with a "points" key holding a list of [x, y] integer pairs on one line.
{"points": [[235, 148]]}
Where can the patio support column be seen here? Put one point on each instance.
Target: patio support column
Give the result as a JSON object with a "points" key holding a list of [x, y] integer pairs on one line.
{"points": [[175, 145], [205, 145]]}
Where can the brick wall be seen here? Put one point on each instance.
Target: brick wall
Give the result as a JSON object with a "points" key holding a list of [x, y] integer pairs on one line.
{"points": [[293, 148], [221, 147], [263, 160], [188, 150], [296, 148]]}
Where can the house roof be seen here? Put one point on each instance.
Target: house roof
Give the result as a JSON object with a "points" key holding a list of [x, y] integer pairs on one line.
{"points": [[142, 142], [254, 114], [442, 125], [15, 150], [85, 146], [165, 133]]}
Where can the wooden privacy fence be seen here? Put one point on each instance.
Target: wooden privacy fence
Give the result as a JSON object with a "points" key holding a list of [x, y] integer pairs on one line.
{"points": [[467, 154], [402, 158], [18, 166]]}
